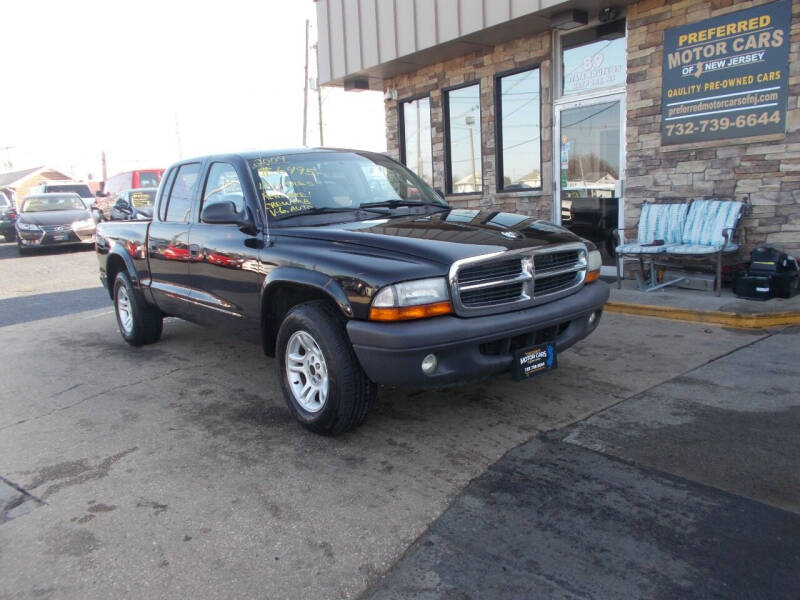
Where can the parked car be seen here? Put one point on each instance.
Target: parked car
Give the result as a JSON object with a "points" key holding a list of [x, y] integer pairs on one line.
{"points": [[128, 180], [8, 215], [133, 205], [349, 289], [74, 187], [53, 220]]}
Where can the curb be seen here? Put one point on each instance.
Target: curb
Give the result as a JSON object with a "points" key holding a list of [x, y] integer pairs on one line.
{"points": [[711, 317]]}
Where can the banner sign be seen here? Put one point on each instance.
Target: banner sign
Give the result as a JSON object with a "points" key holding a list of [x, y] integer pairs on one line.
{"points": [[727, 77]]}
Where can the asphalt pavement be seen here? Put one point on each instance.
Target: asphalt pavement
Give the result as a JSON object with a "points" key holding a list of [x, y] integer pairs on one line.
{"points": [[690, 489], [175, 470]]}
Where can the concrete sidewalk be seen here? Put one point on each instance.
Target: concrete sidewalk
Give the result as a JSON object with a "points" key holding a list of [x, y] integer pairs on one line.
{"points": [[704, 307], [690, 489]]}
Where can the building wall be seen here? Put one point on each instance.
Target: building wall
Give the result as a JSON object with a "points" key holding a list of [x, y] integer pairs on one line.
{"points": [[764, 173], [355, 35], [28, 185], [483, 66]]}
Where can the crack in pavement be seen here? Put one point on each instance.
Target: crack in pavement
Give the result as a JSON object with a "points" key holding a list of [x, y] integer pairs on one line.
{"points": [[96, 395]]}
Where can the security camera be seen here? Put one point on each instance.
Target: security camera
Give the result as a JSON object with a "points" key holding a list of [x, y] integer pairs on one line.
{"points": [[608, 14]]}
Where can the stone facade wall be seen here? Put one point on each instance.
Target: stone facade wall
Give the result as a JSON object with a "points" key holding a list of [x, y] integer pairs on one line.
{"points": [[482, 66], [764, 173]]}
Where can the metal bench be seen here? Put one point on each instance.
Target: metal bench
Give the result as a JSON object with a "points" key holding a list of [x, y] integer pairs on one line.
{"points": [[657, 223], [702, 230]]}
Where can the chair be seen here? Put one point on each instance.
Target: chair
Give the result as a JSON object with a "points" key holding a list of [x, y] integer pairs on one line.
{"points": [[657, 222], [708, 233]]}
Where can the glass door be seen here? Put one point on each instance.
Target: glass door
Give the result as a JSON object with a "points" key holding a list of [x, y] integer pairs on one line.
{"points": [[590, 169]]}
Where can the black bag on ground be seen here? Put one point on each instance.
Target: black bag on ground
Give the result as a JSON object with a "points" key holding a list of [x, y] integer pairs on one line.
{"points": [[771, 274]]}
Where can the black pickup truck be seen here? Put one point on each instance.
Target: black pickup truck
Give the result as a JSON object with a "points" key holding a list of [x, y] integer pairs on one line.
{"points": [[353, 272]]}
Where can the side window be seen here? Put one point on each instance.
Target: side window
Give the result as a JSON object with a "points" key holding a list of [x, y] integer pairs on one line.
{"points": [[223, 185], [164, 194], [180, 198]]}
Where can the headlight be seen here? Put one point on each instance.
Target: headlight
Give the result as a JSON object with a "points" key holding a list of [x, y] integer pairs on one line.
{"points": [[595, 261], [411, 300], [85, 224], [27, 226]]}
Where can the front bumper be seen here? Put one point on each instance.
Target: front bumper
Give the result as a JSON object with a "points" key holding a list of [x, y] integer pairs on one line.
{"points": [[34, 239], [471, 348]]}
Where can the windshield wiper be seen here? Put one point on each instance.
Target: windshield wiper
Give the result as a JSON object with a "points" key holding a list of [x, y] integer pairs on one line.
{"points": [[396, 203], [321, 210]]}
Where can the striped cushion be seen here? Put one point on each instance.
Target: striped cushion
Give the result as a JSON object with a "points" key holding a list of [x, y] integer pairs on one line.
{"points": [[639, 249], [700, 248], [661, 222], [707, 219]]}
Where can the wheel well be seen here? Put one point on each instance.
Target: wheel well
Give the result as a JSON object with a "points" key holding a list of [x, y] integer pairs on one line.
{"points": [[278, 301], [114, 265]]}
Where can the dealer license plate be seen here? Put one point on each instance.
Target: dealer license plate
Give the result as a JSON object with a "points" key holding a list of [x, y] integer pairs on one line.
{"points": [[534, 360], [60, 238]]}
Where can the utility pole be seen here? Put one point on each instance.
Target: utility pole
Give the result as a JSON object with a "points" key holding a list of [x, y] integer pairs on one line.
{"points": [[178, 137], [105, 170], [419, 143], [8, 164], [305, 94], [319, 97], [470, 121]]}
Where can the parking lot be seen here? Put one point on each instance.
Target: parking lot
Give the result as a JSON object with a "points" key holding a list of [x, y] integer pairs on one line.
{"points": [[176, 469]]}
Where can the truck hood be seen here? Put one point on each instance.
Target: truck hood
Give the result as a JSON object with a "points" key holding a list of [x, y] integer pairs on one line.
{"points": [[443, 237]]}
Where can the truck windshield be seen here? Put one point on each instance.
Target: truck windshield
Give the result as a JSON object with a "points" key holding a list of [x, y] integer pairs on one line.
{"points": [[82, 190], [317, 182]]}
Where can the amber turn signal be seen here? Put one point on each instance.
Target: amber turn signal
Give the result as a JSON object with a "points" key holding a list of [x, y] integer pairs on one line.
{"points": [[592, 276], [406, 313]]}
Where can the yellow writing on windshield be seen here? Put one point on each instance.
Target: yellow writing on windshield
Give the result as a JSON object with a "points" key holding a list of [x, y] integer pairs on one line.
{"points": [[283, 205]]}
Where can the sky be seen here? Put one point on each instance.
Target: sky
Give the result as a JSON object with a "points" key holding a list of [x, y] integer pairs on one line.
{"points": [[150, 82]]}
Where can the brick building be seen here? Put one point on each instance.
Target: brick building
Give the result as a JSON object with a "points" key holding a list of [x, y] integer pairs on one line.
{"points": [[563, 110]]}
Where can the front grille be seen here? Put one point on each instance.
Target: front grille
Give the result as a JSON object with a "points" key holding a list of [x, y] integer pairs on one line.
{"points": [[555, 260], [56, 228], [495, 270], [550, 285], [492, 296], [516, 280]]}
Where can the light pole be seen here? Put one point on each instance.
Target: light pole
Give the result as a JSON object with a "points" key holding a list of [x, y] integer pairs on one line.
{"points": [[470, 121]]}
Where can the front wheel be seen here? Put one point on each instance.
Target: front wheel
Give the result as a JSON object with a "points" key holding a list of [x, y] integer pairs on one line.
{"points": [[323, 383], [138, 322]]}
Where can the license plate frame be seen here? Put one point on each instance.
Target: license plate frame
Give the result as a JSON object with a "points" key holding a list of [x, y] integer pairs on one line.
{"points": [[533, 360]]}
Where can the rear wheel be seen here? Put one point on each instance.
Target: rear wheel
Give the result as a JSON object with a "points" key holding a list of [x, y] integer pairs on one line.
{"points": [[323, 383], [139, 323]]}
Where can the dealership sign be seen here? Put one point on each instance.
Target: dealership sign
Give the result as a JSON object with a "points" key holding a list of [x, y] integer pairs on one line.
{"points": [[727, 77]]}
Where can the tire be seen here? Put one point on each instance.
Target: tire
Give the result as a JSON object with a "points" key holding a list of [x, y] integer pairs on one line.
{"points": [[138, 322], [316, 330]]}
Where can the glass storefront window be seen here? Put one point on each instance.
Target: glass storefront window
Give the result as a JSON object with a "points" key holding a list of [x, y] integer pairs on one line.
{"points": [[518, 132], [463, 121], [593, 65], [417, 155]]}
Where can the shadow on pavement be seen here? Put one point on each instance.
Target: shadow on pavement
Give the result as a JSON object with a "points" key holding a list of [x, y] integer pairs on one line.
{"points": [[24, 309], [9, 250]]}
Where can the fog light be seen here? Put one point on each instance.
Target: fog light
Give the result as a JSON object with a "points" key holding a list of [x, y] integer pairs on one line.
{"points": [[592, 318], [429, 364]]}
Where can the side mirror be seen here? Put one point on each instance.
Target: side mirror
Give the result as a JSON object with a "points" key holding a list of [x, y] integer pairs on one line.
{"points": [[123, 206], [440, 192], [224, 213]]}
